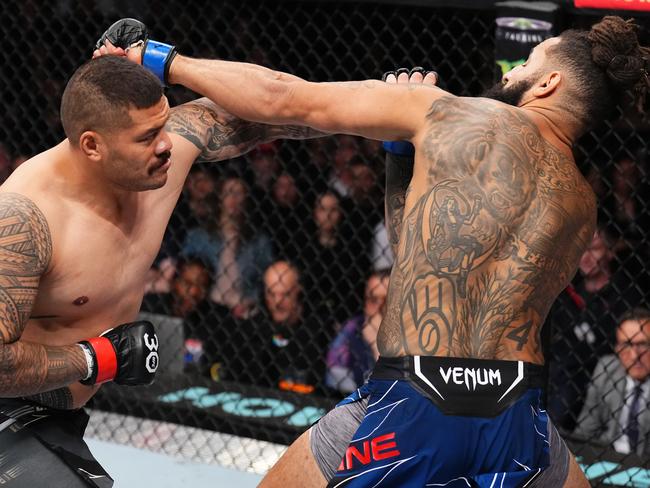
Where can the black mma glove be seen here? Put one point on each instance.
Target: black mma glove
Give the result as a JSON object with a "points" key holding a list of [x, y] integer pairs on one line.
{"points": [[126, 354], [157, 57]]}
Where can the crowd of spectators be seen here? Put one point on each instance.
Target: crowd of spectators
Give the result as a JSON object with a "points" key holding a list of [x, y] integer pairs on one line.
{"points": [[268, 263]]}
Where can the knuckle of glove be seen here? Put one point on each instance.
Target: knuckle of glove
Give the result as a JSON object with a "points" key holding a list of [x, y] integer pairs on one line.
{"points": [[124, 33], [386, 75], [136, 346]]}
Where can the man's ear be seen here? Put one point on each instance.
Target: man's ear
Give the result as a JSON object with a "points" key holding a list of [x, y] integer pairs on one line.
{"points": [[547, 84], [91, 144]]}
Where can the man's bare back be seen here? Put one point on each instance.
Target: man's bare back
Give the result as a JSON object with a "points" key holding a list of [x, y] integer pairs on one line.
{"points": [[495, 221]]}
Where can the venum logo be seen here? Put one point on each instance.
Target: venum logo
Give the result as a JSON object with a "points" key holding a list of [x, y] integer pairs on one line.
{"points": [[382, 447], [471, 377]]}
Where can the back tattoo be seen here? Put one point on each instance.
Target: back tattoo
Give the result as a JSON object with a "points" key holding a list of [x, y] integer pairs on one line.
{"points": [[494, 235]]}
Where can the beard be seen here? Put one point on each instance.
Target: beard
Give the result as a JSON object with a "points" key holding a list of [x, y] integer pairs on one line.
{"points": [[512, 95]]}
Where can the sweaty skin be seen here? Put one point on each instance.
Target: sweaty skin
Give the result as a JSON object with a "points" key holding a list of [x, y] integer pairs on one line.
{"points": [[70, 269]]}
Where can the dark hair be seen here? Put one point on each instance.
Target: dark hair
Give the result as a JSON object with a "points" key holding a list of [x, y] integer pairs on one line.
{"points": [[100, 93], [605, 62], [247, 230], [184, 262], [640, 314]]}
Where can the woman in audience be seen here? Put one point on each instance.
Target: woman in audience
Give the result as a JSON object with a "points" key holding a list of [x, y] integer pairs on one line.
{"points": [[238, 253]]}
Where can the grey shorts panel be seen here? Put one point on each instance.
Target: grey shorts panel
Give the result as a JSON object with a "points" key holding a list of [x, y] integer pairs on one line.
{"points": [[556, 474], [330, 437]]}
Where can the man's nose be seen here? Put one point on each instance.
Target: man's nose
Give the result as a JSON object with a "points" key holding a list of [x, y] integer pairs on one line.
{"points": [[164, 144]]}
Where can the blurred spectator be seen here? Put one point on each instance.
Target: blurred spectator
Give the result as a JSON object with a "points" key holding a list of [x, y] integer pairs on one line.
{"points": [[282, 347], [194, 209], [237, 252], [584, 325], [341, 174], [382, 254], [617, 409], [354, 352], [187, 299], [595, 179], [332, 262], [286, 217], [363, 209], [318, 167], [264, 166], [363, 186], [190, 283], [626, 203]]}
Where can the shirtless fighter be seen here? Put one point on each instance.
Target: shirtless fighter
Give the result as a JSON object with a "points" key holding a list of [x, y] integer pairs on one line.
{"points": [[80, 225], [495, 218]]}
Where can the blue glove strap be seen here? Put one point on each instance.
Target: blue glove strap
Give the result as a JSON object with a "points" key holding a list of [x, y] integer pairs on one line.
{"points": [[154, 58], [401, 148]]}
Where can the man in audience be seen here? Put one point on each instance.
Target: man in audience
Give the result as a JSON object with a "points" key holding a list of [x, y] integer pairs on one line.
{"points": [[583, 321], [188, 299], [190, 285], [354, 352], [617, 409], [283, 346]]}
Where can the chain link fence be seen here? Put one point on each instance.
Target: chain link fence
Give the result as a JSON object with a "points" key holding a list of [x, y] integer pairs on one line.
{"points": [[273, 269]]}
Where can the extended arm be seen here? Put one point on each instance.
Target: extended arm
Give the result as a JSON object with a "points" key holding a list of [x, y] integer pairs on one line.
{"points": [[27, 368], [369, 108]]}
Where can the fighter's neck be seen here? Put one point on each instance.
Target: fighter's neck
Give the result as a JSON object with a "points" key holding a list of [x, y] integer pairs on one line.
{"points": [[81, 184], [552, 126]]}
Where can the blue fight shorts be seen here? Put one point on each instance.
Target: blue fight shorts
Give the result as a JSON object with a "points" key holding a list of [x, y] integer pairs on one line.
{"points": [[429, 421]]}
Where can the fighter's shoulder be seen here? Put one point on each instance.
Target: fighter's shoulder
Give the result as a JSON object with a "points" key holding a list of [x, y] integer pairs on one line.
{"points": [[25, 232], [488, 106], [34, 180]]}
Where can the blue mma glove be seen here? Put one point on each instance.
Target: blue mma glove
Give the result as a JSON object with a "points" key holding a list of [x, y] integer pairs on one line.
{"points": [[157, 56]]}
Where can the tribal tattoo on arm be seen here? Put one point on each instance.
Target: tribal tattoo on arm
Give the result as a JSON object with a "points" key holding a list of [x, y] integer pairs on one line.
{"points": [[28, 368], [220, 135]]}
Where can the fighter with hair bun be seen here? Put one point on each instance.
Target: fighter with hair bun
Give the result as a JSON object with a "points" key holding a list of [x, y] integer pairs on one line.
{"points": [[487, 229]]}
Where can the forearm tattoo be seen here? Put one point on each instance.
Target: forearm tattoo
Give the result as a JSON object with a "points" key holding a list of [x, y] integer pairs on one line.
{"points": [[25, 252], [221, 136], [492, 239]]}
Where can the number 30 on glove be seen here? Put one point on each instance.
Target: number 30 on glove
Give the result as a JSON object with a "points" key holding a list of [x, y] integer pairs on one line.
{"points": [[126, 354]]}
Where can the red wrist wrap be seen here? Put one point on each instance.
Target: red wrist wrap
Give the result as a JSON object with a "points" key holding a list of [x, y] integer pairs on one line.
{"points": [[105, 357]]}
